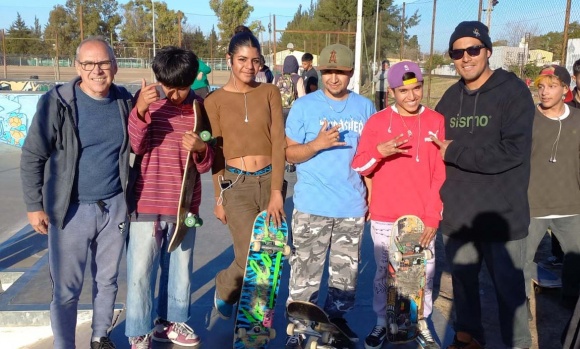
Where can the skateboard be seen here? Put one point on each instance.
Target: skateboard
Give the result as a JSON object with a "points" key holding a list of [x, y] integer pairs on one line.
{"points": [[406, 280], [545, 279], [267, 251], [321, 332], [186, 219]]}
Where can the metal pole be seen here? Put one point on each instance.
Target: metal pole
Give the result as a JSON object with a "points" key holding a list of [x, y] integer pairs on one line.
{"points": [[81, 19], [479, 10], [358, 46], [488, 18], [375, 54], [274, 43], [153, 8], [431, 51]]}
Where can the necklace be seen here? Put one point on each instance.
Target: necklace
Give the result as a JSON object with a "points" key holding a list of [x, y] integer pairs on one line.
{"points": [[337, 111], [245, 101], [409, 132]]}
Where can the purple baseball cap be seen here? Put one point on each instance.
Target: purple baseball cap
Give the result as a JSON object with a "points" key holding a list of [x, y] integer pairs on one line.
{"points": [[396, 73]]}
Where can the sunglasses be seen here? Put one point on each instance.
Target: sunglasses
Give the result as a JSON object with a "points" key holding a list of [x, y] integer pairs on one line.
{"points": [[472, 51]]}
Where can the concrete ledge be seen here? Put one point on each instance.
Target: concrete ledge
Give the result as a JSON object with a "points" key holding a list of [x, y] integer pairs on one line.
{"points": [[39, 315]]}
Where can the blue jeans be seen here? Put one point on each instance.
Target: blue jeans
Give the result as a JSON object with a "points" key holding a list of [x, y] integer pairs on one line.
{"points": [[147, 248], [89, 228]]}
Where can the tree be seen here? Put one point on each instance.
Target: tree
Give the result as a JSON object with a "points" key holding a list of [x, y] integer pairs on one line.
{"points": [[230, 13], [193, 39], [95, 17], [137, 29]]}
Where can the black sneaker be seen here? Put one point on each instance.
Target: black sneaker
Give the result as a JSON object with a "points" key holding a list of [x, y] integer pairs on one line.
{"points": [[105, 343], [343, 326], [376, 338], [294, 342]]}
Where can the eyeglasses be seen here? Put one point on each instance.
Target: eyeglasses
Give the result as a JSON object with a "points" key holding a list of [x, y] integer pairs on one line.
{"points": [[89, 66], [472, 51]]}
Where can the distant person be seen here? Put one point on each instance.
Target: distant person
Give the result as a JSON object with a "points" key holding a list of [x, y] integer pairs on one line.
{"points": [[554, 191], [309, 74], [161, 136], [575, 102], [393, 155], [323, 131], [74, 170], [382, 86], [488, 136], [264, 74], [201, 85], [290, 84]]}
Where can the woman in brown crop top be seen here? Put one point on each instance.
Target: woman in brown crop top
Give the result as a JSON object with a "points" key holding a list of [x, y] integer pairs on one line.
{"points": [[248, 171]]}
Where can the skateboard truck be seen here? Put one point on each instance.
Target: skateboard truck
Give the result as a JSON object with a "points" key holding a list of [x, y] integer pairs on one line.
{"points": [[193, 220]]}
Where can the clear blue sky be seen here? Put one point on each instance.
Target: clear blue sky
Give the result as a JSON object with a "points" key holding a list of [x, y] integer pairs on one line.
{"points": [[509, 18]]}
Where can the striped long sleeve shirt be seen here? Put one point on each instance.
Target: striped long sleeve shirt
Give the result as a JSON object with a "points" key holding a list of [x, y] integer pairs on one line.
{"points": [[161, 158]]}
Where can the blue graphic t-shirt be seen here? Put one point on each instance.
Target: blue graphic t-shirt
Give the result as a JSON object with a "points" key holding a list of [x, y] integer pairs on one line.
{"points": [[327, 185]]}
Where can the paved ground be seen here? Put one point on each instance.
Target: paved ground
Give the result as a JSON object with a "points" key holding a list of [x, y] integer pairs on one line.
{"points": [[25, 303]]}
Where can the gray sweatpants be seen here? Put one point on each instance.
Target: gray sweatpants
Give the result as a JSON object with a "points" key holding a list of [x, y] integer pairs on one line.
{"points": [[313, 236], [100, 230]]}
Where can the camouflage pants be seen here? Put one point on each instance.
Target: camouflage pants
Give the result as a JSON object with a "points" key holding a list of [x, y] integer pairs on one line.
{"points": [[381, 234], [313, 236]]}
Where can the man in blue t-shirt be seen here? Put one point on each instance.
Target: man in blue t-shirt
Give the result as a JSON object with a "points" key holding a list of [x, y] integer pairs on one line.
{"points": [[322, 131]]}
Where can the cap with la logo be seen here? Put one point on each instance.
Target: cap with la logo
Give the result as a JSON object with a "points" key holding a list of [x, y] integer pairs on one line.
{"points": [[336, 57]]}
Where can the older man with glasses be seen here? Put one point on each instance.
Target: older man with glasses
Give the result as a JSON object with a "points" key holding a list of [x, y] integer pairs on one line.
{"points": [[488, 128], [75, 170]]}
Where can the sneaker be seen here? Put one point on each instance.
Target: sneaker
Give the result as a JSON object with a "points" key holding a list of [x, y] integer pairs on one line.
{"points": [[343, 327], [141, 342], [105, 343], [426, 340], [175, 332], [294, 342], [224, 309], [457, 344], [376, 338], [555, 261]]}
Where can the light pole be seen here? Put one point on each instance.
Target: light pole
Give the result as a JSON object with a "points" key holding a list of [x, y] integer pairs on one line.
{"points": [[153, 8]]}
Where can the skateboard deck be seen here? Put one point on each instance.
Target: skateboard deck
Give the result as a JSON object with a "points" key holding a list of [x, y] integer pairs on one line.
{"points": [[406, 280], [545, 279], [185, 218], [267, 251], [321, 333]]}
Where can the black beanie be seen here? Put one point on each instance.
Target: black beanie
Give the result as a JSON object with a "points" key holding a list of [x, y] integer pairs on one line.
{"points": [[472, 29]]}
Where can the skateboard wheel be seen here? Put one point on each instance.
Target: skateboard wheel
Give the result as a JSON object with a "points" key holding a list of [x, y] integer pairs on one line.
{"points": [[205, 136], [325, 338], [190, 221], [398, 256], [428, 254], [242, 332], [393, 328], [272, 333], [256, 246], [287, 250], [290, 329], [199, 222]]}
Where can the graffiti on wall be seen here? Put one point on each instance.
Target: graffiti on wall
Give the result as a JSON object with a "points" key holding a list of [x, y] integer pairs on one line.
{"points": [[16, 111], [26, 85]]}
